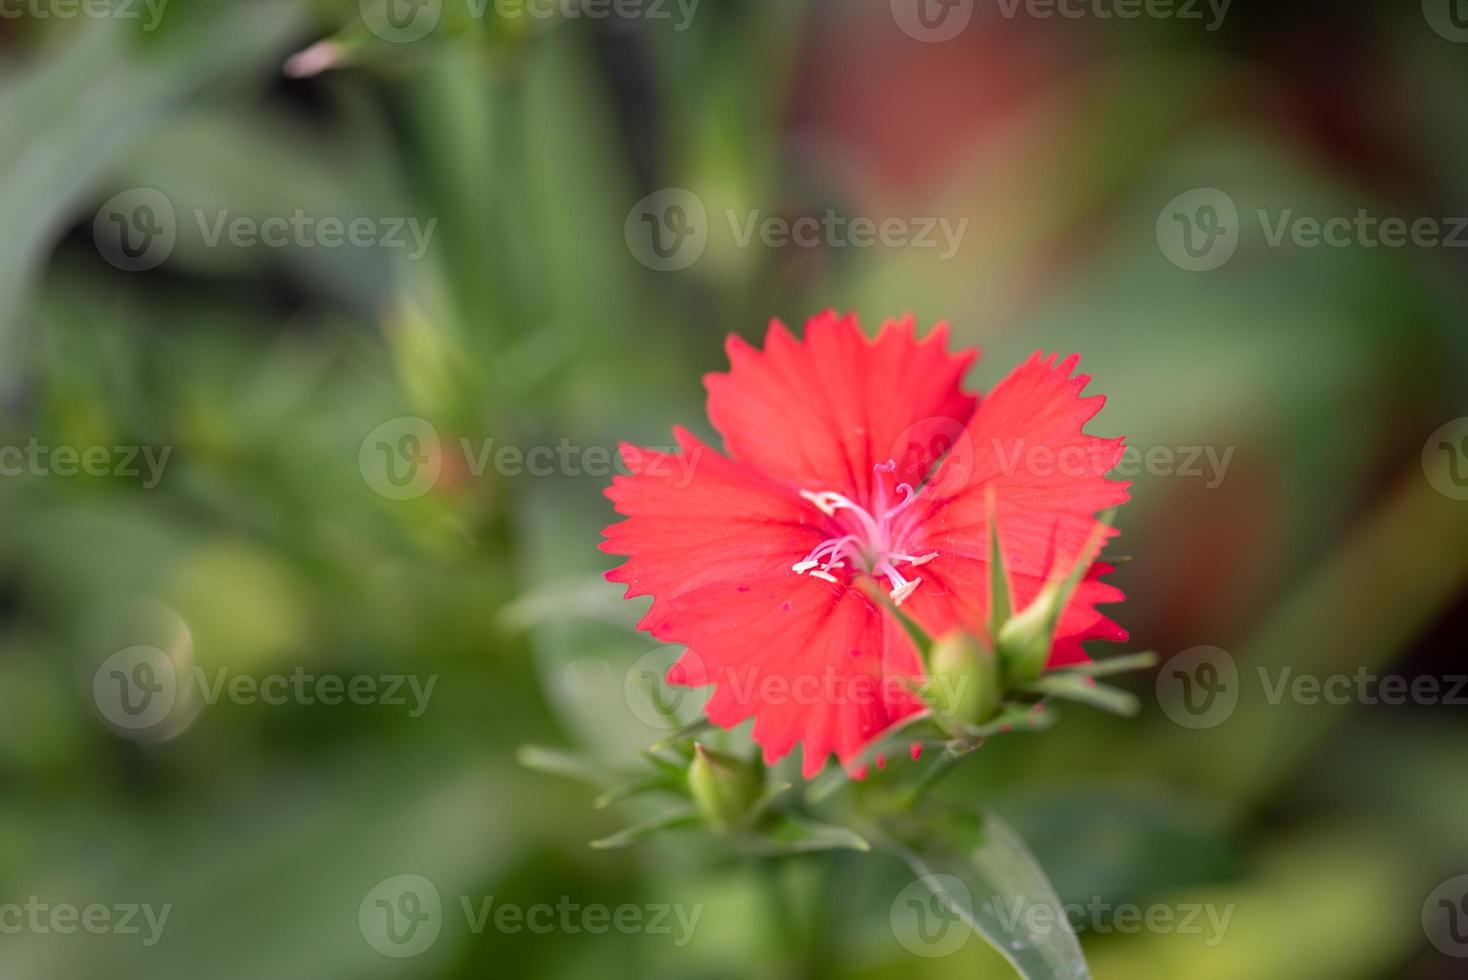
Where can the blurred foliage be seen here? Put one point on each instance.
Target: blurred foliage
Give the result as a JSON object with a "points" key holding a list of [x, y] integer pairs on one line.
{"points": [[529, 322]]}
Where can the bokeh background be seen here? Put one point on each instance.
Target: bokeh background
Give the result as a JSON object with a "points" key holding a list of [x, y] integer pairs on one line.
{"points": [[273, 541]]}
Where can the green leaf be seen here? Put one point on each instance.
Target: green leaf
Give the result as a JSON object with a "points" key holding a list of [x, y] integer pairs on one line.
{"points": [[634, 787], [639, 832], [984, 876], [93, 100], [558, 762]]}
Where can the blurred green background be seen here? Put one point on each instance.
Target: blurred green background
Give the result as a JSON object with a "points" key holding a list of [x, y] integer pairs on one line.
{"points": [[272, 543]]}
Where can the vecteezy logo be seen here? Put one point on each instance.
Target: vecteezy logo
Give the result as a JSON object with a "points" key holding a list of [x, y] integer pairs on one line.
{"points": [[936, 449], [667, 230], [1445, 459], [401, 20], [401, 916], [135, 230], [401, 459], [1445, 917], [1449, 18], [135, 689], [1199, 229], [1199, 688], [932, 20], [656, 703], [930, 916]]}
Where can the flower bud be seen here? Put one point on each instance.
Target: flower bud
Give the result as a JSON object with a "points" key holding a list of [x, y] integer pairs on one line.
{"points": [[1025, 640], [723, 786], [963, 682]]}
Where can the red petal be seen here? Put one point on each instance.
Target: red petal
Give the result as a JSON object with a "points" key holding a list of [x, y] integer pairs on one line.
{"points": [[811, 662], [697, 517], [822, 412]]}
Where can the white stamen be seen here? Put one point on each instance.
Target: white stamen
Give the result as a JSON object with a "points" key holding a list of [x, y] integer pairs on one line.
{"points": [[905, 590], [822, 501], [869, 542]]}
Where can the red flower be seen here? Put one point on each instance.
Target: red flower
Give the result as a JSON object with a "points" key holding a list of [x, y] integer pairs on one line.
{"points": [[850, 457]]}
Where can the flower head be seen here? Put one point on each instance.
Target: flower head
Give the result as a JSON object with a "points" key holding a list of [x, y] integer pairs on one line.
{"points": [[852, 459]]}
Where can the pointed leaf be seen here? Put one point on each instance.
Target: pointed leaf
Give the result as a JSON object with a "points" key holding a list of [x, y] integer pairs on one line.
{"points": [[636, 787], [981, 874], [558, 762], [639, 832], [792, 834], [1085, 690], [1115, 665]]}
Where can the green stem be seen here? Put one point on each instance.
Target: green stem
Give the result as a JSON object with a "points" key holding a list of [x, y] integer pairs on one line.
{"points": [[782, 918]]}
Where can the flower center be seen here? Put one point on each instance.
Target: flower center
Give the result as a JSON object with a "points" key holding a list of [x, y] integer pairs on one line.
{"points": [[871, 540]]}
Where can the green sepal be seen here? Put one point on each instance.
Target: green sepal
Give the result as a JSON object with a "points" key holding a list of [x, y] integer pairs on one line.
{"points": [[1085, 690], [793, 834], [1125, 663]]}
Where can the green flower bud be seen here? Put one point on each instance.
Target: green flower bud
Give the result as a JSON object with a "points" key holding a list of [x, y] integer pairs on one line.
{"points": [[723, 786], [1025, 640], [963, 684]]}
